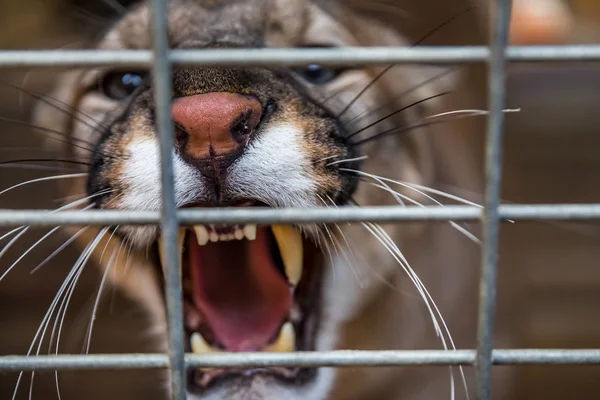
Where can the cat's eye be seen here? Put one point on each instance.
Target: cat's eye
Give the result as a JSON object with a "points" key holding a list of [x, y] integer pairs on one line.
{"points": [[318, 75], [120, 85]]}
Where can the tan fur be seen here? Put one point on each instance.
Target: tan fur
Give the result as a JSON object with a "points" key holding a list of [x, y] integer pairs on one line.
{"points": [[360, 311]]}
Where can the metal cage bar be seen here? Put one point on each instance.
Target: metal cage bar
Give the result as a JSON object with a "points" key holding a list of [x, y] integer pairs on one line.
{"points": [[339, 358], [491, 217], [382, 214], [294, 57], [160, 58], [168, 221]]}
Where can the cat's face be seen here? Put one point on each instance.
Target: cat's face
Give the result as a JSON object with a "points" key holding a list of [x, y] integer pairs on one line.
{"points": [[257, 137]]}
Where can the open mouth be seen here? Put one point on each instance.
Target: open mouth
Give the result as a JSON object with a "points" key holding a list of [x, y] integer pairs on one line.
{"points": [[249, 288]]}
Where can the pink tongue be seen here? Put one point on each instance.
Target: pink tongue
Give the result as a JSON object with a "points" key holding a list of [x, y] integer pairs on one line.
{"points": [[242, 296]]}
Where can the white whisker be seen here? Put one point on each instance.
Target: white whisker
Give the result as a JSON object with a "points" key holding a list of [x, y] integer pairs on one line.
{"points": [[456, 226], [347, 160], [353, 267], [81, 265], [26, 228], [424, 290], [28, 251], [13, 241], [7, 234], [327, 158], [47, 178], [469, 112], [46, 319], [61, 248], [325, 244], [111, 261]]}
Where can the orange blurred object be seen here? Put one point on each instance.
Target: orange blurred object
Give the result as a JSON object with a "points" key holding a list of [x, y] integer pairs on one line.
{"points": [[540, 22]]}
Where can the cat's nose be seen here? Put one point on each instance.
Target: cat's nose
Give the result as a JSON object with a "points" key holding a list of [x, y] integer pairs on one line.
{"points": [[215, 126]]}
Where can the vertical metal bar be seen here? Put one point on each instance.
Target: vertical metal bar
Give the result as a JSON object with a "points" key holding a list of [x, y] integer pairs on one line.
{"points": [[500, 17], [169, 224]]}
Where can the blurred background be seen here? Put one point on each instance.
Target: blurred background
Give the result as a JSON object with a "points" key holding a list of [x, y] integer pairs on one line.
{"points": [[548, 294]]}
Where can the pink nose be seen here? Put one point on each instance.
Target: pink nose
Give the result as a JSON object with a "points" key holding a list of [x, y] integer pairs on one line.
{"points": [[217, 124]]}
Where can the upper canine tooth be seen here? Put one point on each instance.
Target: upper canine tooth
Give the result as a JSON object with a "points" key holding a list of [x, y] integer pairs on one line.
{"points": [[250, 231], [180, 243], [199, 345], [201, 234], [286, 341], [289, 240]]}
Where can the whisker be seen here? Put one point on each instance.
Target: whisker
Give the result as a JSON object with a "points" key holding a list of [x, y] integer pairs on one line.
{"points": [[26, 228], [347, 160], [70, 294], [44, 324], [325, 243], [471, 112], [28, 251], [48, 130], [456, 226], [7, 234], [33, 246], [431, 120], [61, 248], [462, 230], [46, 178], [36, 167], [404, 93], [388, 243], [13, 241], [111, 261], [389, 67], [58, 105], [336, 245], [59, 160], [396, 112]]}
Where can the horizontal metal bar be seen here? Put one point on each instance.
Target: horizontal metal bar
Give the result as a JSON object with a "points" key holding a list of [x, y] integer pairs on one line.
{"points": [[383, 214], [340, 358], [294, 57]]}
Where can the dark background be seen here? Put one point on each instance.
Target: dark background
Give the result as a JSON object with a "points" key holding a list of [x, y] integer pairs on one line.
{"points": [[548, 293]]}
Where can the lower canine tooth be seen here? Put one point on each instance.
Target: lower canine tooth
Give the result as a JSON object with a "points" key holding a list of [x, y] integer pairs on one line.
{"points": [[250, 231], [286, 341], [289, 240], [199, 345], [214, 237]]}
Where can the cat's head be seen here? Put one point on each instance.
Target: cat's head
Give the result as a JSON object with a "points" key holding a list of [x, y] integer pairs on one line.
{"points": [[253, 136]]}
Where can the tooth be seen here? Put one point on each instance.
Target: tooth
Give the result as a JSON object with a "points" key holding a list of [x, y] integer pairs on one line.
{"points": [[289, 240], [223, 237], [180, 243], [286, 341], [201, 234], [199, 345], [250, 232], [239, 234], [214, 237], [230, 236]]}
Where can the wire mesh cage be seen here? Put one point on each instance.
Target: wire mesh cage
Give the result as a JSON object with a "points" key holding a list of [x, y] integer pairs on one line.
{"points": [[161, 59]]}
